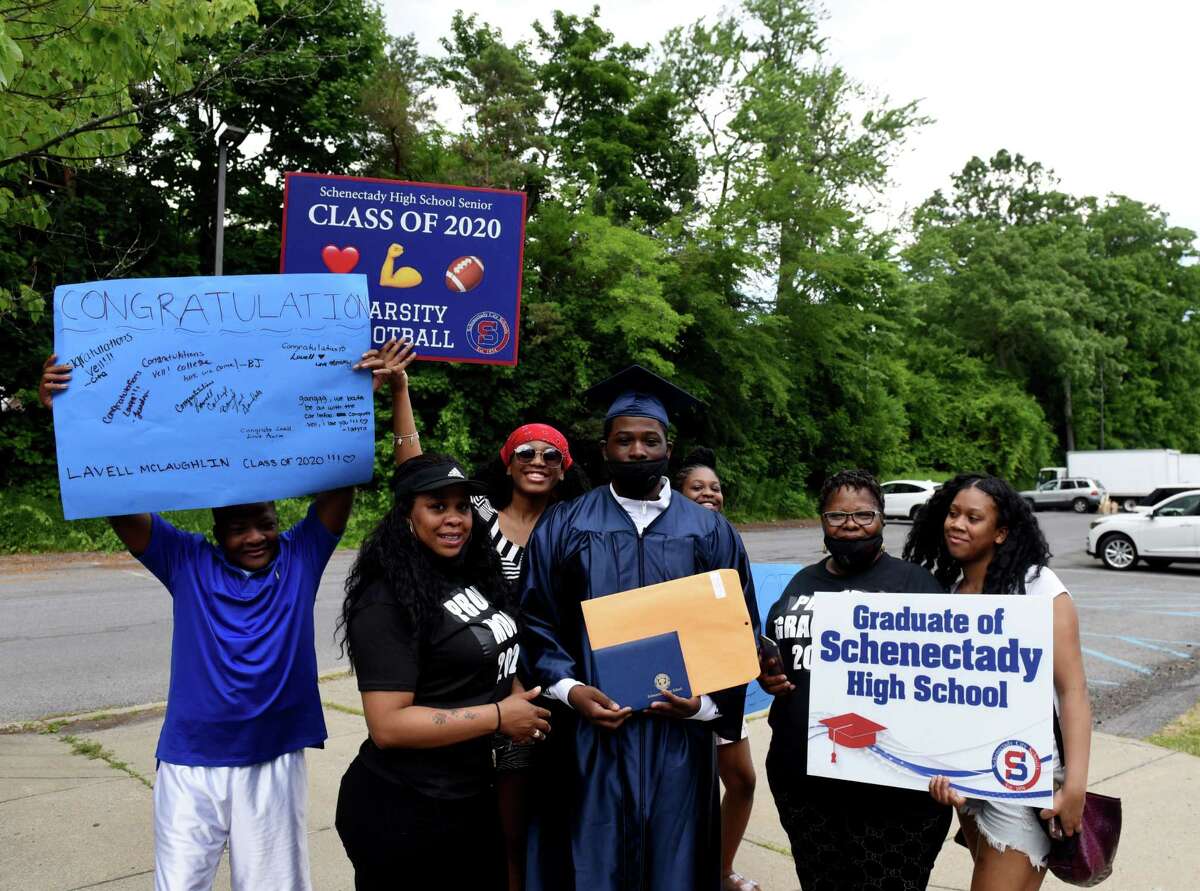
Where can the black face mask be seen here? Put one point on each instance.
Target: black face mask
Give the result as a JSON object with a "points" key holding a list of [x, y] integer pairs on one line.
{"points": [[854, 554], [636, 476]]}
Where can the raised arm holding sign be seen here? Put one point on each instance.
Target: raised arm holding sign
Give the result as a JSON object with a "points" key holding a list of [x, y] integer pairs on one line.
{"points": [[243, 702]]}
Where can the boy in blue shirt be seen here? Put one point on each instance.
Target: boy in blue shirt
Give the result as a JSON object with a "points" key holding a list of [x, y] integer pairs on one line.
{"points": [[243, 702]]}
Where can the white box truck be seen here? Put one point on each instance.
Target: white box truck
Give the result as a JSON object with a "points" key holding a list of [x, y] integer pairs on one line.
{"points": [[1130, 475]]}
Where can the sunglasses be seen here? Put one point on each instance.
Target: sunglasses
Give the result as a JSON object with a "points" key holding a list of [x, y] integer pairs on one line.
{"points": [[551, 457]]}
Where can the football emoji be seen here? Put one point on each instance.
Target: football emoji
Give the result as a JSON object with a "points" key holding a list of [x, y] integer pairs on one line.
{"points": [[464, 274]]}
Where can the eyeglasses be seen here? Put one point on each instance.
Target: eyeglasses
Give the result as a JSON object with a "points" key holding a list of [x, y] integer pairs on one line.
{"points": [[860, 517], [552, 457]]}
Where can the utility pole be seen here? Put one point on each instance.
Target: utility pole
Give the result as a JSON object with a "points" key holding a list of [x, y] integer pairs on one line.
{"points": [[227, 135], [1101, 401]]}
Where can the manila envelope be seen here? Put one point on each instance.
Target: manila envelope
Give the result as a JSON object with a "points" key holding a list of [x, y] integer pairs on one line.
{"points": [[708, 611]]}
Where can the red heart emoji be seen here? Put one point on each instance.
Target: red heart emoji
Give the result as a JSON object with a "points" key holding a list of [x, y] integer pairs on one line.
{"points": [[339, 259]]}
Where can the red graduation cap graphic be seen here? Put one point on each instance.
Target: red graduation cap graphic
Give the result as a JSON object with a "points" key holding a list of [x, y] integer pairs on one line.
{"points": [[852, 731]]}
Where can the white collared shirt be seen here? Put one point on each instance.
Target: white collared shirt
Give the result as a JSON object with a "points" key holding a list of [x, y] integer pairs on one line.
{"points": [[642, 512]]}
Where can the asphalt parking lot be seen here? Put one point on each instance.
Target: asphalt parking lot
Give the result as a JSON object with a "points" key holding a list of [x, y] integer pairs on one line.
{"points": [[89, 633]]}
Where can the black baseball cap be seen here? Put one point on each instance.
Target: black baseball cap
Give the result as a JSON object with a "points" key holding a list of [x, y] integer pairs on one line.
{"points": [[440, 475]]}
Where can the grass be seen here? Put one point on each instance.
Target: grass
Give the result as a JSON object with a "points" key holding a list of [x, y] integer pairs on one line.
{"points": [[93, 750], [344, 709], [31, 521], [1182, 734], [770, 846], [752, 501]]}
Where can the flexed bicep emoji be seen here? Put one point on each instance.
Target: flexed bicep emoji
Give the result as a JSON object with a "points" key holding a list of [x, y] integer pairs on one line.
{"points": [[402, 277]]}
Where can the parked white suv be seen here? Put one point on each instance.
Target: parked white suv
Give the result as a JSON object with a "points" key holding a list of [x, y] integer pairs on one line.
{"points": [[1167, 533], [903, 498]]}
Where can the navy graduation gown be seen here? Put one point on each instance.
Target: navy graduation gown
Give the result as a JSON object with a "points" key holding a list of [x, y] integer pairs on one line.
{"points": [[635, 809]]}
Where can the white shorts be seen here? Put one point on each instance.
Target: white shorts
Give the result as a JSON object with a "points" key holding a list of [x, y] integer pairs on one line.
{"points": [[258, 811], [1018, 826], [722, 741], [1005, 826]]}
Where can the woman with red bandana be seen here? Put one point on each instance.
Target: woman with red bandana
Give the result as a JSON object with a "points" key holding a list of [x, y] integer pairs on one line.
{"points": [[535, 470]]}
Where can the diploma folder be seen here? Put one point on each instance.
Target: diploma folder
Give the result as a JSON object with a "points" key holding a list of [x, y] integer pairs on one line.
{"points": [[708, 614], [636, 673]]}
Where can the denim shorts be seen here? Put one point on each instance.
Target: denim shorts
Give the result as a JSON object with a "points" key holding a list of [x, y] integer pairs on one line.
{"points": [[1004, 825]]}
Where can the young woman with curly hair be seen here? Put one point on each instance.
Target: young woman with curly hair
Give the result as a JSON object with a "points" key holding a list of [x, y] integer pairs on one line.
{"points": [[978, 535], [843, 834], [698, 480], [430, 627]]}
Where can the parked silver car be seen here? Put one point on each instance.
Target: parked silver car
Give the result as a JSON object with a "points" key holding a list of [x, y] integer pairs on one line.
{"points": [[1076, 493]]}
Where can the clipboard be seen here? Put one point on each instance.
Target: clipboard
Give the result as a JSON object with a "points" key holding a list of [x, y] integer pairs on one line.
{"points": [[707, 611]]}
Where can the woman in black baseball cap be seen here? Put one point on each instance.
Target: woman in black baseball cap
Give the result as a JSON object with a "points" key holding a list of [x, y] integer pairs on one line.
{"points": [[430, 627]]}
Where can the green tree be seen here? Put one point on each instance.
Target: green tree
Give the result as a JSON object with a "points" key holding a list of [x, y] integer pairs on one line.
{"points": [[301, 69], [72, 78], [1001, 267], [404, 141], [616, 131], [149, 211], [501, 139], [790, 166], [1144, 273]]}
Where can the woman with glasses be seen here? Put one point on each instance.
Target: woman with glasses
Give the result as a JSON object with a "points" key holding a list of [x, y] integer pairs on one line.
{"points": [[843, 834], [534, 470], [698, 480]]}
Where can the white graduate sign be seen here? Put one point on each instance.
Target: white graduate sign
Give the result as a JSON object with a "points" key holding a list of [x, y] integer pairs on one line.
{"points": [[908, 686]]}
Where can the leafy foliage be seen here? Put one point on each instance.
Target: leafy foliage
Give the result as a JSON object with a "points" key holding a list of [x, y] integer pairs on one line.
{"points": [[70, 76], [699, 207]]}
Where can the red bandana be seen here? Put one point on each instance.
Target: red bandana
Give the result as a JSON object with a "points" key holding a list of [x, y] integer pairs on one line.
{"points": [[531, 432]]}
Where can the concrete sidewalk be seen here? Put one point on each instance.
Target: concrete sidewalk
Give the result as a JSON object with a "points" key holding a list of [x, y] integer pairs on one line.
{"points": [[75, 809]]}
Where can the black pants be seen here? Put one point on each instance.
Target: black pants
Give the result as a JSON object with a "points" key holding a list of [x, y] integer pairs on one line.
{"points": [[397, 838], [873, 844]]}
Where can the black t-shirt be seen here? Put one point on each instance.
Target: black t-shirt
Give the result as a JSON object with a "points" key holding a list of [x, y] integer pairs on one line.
{"points": [[469, 659], [789, 624]]}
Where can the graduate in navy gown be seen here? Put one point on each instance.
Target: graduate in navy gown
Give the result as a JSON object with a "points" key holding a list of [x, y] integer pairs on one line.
{"points": [[628, 801]]}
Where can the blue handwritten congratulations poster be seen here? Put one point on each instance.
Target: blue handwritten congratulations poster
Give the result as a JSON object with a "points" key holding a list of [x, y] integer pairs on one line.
{"points": [[443, 263], [208, 391]]}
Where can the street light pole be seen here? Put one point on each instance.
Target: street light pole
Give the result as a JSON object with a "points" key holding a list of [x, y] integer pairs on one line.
{"points": [[227, 135]]}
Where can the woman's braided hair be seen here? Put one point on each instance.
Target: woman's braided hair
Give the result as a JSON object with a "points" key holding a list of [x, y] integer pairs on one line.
{"points": [[858, 480]]}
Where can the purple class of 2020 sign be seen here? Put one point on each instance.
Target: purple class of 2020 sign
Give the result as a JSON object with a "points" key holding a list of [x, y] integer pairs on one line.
{"points": [[443, 263]]}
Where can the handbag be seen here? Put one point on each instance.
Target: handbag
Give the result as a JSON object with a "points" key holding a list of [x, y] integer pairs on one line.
{"points": [[1086, 858]]}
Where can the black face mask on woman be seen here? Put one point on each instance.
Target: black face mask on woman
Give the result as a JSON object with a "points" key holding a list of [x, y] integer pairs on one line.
{"points": [[854, 554], [636, 476]]}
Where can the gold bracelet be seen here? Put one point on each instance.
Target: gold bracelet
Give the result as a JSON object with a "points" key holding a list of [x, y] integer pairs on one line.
{"points": [[400, 438]]}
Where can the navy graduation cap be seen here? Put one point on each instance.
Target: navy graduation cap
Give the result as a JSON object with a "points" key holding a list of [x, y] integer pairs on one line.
{"points": [[639, 393]]}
